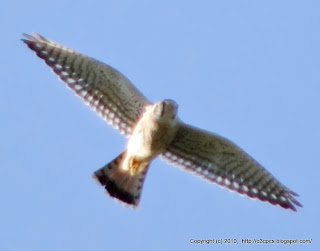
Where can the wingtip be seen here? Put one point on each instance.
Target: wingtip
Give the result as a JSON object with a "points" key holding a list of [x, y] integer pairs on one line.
{"points": [[293, 201], [25, 38], [291, 204], [25, 34], [297, 203], [34, 37]]}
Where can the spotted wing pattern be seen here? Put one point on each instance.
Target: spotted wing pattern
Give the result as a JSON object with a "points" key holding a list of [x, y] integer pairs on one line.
{"points": [[103, 88], [218, 160]]}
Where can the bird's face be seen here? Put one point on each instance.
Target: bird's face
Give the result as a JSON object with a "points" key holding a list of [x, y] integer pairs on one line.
{"points": [[165, 110]]}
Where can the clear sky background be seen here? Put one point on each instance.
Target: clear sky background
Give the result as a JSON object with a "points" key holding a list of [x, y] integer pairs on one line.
{"points": [[248, 70]]}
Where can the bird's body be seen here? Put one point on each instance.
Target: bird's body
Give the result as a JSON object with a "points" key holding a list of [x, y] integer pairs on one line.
{"points": [[151, 136], [154, 130]]}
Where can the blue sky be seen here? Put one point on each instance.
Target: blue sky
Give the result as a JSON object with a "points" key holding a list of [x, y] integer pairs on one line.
{"points": [[248, 70]]}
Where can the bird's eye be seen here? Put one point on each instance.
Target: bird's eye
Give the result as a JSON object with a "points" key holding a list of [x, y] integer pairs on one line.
{"points": [[163, 106]]}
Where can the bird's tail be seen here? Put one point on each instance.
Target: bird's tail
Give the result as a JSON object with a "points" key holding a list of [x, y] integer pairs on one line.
{"points": [[123, 178]]}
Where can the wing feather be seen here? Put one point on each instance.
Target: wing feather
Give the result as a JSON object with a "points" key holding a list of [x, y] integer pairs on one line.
{"points": [[218, 160], [102, 87]]}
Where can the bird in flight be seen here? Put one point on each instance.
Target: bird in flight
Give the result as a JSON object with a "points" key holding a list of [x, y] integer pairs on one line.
{"points": [[154, 130]]}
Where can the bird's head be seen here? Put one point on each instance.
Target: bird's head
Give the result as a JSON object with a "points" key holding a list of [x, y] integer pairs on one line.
{"points": [[165, 110]]}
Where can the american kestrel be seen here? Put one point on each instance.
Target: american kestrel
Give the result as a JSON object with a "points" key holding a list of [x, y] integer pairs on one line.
{"points": [[154, 129]]}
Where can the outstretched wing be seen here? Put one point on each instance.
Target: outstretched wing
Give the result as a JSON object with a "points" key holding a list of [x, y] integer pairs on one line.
{"points": [[103, 88], [217, 159]]}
